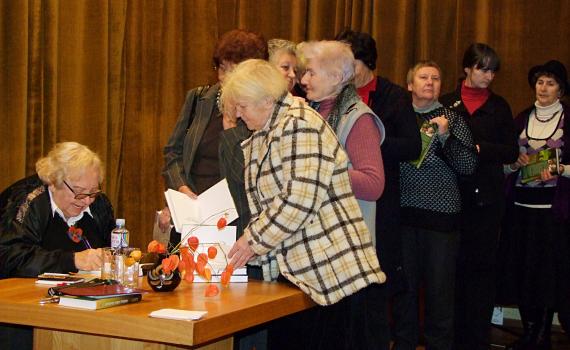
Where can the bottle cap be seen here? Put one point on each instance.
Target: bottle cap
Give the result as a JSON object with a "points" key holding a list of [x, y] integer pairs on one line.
{"points": [[120, 222]]}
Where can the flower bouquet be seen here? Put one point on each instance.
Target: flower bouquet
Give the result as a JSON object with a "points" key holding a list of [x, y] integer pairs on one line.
{"points": [[183, 260]]}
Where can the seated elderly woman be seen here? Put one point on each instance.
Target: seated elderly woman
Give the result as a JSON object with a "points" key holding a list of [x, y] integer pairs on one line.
{"points": [[306, 226], [329, 72], [55, 220]]}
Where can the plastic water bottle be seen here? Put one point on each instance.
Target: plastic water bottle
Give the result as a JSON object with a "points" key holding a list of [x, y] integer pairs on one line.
{"points": [[120, 235], [119, 241]]}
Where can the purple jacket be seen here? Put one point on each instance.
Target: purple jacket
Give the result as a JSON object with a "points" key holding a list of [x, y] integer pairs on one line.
{"points": [[561, 201]]}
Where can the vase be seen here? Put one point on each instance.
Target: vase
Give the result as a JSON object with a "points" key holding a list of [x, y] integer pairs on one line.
{"points": [[160, 281]]}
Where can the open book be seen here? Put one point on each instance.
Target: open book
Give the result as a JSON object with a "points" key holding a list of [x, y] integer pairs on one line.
{"points": [[207, 209], [547, 158], [223, 240]]}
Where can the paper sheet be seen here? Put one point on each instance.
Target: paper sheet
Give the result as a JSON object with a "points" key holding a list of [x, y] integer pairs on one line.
{"points": [[177, 314]]}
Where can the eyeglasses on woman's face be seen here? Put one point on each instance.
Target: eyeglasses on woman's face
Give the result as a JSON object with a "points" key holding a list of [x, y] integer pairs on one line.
{"points": [[224, 66], [80, 196]]}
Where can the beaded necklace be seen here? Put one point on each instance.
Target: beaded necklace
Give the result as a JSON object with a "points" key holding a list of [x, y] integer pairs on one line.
{"points": [[547, 119], [218, 103]]}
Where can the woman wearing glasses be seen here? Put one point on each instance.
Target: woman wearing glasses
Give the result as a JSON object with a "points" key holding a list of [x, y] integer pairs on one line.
{"points": [[55, 220]]}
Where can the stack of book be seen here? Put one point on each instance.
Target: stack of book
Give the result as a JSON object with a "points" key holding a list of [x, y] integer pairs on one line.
{"points": [[99, 297], [199, 217], [222, 239]]}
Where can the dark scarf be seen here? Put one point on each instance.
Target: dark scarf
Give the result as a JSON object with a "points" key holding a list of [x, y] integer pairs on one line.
{"points": [[344, 101]]}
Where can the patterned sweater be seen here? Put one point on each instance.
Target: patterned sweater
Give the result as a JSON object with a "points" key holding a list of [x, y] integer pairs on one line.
{"points": [[430, 194]]}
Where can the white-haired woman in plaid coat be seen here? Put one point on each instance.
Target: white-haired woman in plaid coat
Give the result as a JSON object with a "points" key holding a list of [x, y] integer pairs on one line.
{"points": [[306, 226]]}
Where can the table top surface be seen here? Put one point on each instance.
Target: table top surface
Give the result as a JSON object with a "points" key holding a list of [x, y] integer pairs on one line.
{"points": [[237, 307]]}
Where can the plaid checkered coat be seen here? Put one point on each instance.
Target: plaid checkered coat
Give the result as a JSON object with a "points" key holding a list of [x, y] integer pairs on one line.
{"points": [[306, 223]]}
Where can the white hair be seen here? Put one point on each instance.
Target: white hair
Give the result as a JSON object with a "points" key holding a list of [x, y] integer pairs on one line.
{"points": [[334, 57], [254, 80]]}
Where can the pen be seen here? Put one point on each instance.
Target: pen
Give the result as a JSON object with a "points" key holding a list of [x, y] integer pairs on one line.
{"points": [[86, 242]]}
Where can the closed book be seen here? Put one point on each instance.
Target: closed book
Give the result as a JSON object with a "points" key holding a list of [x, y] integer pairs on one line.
{"points": [[58, 279], [96, 303], [96, 289], [544, 159]]}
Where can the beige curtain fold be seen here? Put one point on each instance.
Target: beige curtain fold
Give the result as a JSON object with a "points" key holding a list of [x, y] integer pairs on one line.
{"points": [[112, 74]]}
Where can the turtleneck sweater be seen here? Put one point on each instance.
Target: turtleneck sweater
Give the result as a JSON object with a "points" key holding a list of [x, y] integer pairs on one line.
{"points": [[428, 108], [542, 120], [473, 98], [547, 111], [364, 91], [367, 169]]}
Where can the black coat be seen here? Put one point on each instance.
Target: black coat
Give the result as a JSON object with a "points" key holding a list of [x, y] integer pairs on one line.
{"points": [[393, 105], [25, 215], [493, 130], [199, 108]]}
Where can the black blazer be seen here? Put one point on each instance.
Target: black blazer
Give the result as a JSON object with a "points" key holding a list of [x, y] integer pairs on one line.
{"points": [[180, 151], [493, 130]]}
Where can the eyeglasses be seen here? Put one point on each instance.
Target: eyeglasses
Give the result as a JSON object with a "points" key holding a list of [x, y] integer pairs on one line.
{"points": [[80, 196], [224, 67]]}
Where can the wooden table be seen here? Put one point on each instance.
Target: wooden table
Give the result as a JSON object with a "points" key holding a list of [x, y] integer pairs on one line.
{"points": [[238, 307]]}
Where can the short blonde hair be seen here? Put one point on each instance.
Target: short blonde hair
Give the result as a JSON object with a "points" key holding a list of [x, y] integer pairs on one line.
{"points": [[334, 57], [301, 60], [68, 160], [253, 80], [421, 64], [279, 46]]}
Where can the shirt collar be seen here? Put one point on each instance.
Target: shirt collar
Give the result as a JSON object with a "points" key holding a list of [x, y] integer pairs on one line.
{"points": [[72, 220]]}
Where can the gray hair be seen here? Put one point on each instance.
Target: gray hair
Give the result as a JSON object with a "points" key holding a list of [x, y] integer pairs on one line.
{"points": [[334, 57], [68, 160]]}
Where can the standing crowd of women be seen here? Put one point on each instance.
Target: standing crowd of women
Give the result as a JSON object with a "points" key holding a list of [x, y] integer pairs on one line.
{"points": [[336, 172], [427, 177]]}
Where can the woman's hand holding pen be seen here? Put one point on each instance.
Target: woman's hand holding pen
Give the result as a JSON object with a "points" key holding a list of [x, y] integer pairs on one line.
{"points": [[88, 259]]}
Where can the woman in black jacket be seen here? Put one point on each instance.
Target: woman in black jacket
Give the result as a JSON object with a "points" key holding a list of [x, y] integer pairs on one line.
{"points": [[491, 121], [53, 221]]}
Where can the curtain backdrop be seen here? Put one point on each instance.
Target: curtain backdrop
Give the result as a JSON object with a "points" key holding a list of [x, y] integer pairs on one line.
{"points": [[112, 74]]}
